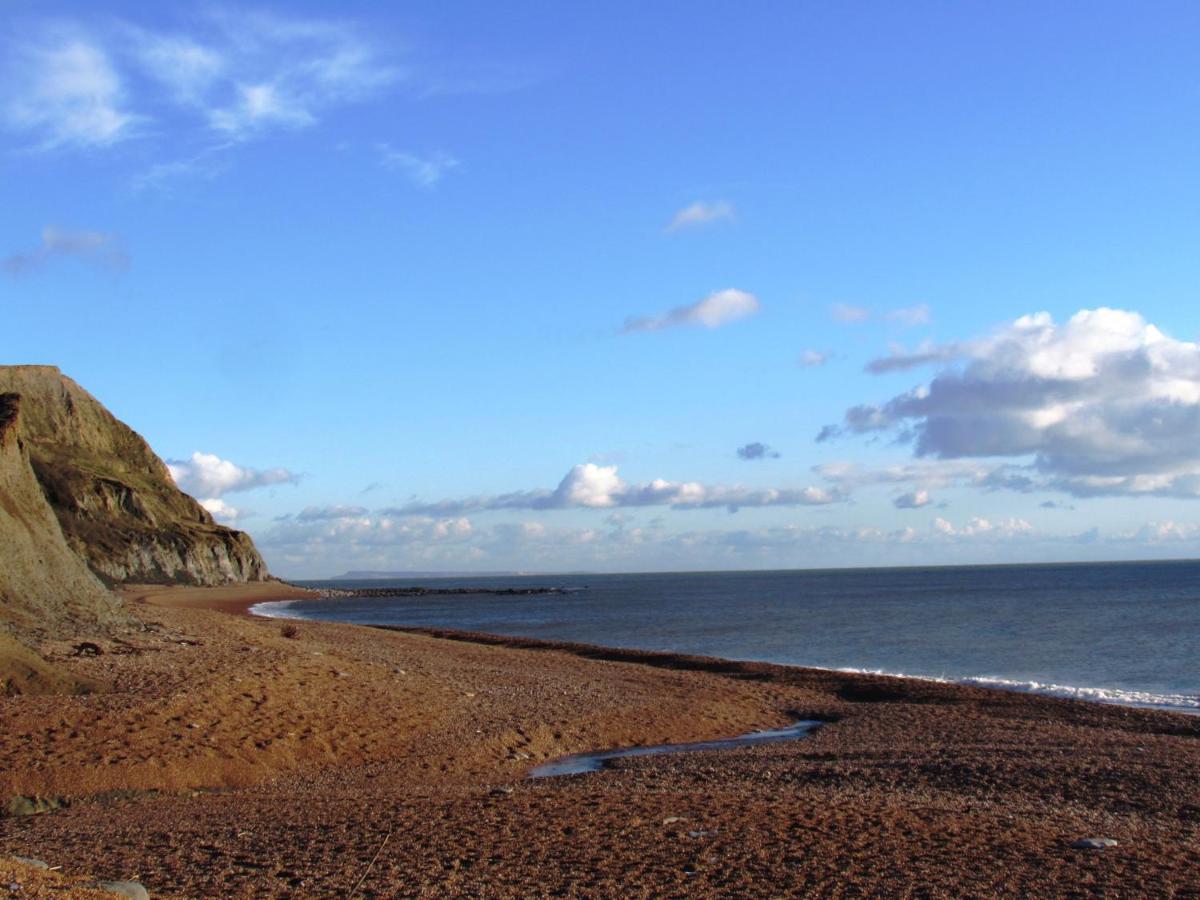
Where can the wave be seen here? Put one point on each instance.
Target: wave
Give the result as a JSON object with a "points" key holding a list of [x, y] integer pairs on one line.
{"points": [[1118, 696], [1190, 703], [275, 609]]}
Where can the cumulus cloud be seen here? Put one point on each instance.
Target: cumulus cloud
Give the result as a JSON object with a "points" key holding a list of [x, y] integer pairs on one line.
{"points": [[717, 309], [422, 171], [95, 247], [912, 500], [810, 359], [1103, 404], [591, 486], [700, 213], [223, 512], [756, 450], [208, 476], [976, 526], [236, 75]]}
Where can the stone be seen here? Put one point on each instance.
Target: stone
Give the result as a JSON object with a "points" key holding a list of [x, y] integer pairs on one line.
{"points": [[1093, 844], [26, 861], [132, 889], [31, 806]]}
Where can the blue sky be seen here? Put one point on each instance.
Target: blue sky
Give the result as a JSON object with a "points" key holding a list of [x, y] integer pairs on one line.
{"points": [[480, 286]]}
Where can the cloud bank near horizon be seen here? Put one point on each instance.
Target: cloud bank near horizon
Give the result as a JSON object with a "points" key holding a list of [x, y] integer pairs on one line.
{"points": [[592, 486]]}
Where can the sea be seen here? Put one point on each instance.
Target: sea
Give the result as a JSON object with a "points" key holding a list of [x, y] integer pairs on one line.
{"points": [[1125, 632]]}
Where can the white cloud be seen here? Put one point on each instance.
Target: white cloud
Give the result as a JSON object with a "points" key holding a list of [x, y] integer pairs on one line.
{"points": [[906, 317], [388, 541], [810, 359], [717, 309], [1104, 403], [223, 512], [700, 213], [187, 68], [910, 316], [591, 486], [978, 526], [95, 247], [65, 90], [912, 500], [424, 172], [208, 476], [238, 74], [848, 314]]}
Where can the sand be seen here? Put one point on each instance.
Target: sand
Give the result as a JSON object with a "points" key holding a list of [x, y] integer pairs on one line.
{"points": [[221, 758]]}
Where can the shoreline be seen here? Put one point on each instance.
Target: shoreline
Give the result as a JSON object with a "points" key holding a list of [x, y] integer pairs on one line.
{"points": [[226, 757], [236, 599], [1078, 693]]}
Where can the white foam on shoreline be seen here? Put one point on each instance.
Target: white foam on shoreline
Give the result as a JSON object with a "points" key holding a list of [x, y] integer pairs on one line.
{"points": [[1175, 702], [274, 609], [1188, 703]]}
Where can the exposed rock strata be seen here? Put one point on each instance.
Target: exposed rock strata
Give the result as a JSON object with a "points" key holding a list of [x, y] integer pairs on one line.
{"points": [[114, 499], [44, 585]]}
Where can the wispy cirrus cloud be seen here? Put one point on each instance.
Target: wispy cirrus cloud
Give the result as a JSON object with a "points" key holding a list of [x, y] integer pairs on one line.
{"points": [[66, 91], [97, 248], [910, 316], [699, 214], [848, 313], [905, 316], [232, 76], [811, 359], [422, 171], [717, 309]]}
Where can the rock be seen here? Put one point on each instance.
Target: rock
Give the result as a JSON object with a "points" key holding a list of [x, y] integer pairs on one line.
{"points": [[31, 806], [673, 820], [115, 502], [502, 791], [1093, 844], [125, 889], [26, 861]]}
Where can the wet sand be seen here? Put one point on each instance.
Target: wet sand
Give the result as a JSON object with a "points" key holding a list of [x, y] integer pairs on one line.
{"points": [[225, 759]]}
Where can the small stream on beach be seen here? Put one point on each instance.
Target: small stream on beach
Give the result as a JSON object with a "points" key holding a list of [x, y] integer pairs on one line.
{"points": [[595, 761]]}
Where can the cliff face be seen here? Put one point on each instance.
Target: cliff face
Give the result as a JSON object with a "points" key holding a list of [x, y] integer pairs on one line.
{"points": [[44, 585], [114, 500]]}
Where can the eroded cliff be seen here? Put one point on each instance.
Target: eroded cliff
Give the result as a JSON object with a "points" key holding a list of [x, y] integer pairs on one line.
{"points": [[45, 587], [115, 502]]}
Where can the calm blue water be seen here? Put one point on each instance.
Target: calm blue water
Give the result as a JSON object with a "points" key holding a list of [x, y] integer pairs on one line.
{"points": [[1121, 632]]}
